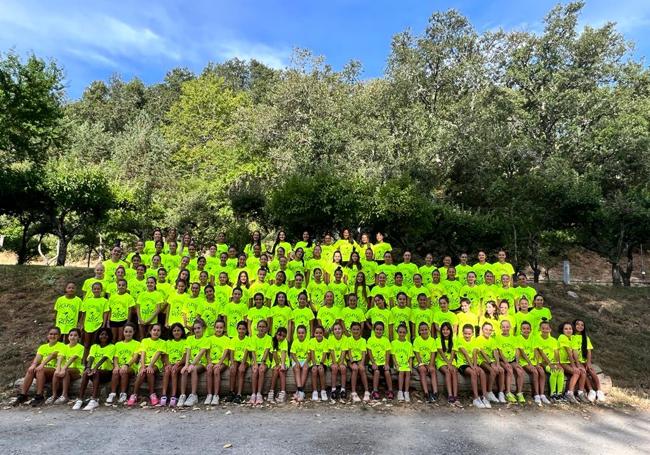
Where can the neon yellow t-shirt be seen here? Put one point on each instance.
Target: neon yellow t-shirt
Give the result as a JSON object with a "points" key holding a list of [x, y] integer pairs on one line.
{"points": [[389, 270], [76, 351], [175, 350], [87, 287], [384, 315], [176, 303], [528, 346], [419, 315], [486, 345], [439, 360], [300, 349], [548, 346], [403, 352], [124, 351], [318, 348], [94, 309], [379, 249], [147, 301], [340, 290], [328, 316], [195, 345], [46, 349], [378, 347], [466, 318], [120, 305], [260, 345], [439, 317], [150, 347], [460, 344], [425, 348], [576, 345], [234, 312], [317, 293], [564, 344], [97, 352], [426, 271], [407, 270], [67, 313], [508, 346], [239, 346], [256, 315], [302, 316], [217, 346], [369, 270], [281, 316], [209, 312], [357, 348], [350, 315], [337, 345]]}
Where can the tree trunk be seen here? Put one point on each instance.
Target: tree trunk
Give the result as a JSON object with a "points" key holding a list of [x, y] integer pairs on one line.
{"points": [[23, 253], [629, 267], [63, 251], [616, 274]]}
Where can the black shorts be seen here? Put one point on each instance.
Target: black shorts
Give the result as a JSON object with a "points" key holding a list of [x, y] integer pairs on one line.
{"points": [[463, 368], [380, 368], [117, 324]]}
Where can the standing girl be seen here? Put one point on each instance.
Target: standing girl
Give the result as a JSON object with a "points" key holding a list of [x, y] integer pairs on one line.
{"points": [[300, 360], [379, 359], [196, 349], [260, 346], [279, 354], [402, 353], [67, 309], [173, 360], [151, 352], [98, 368], [218, 356], [94, 314], [425, 349]]}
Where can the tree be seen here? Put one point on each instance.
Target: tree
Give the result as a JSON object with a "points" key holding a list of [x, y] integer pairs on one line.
{"points": [[79, 197]]}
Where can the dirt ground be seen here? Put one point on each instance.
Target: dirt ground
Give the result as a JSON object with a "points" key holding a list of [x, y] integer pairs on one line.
{"points": [[326, 428]]}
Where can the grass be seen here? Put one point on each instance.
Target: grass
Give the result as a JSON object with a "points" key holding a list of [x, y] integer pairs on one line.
{"points": [[618, 320]]}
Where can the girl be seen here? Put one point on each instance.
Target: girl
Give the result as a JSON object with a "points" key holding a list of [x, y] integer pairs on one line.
{"points": [[424, 350], [98, 368], [328, 315], [468, 366], [539, 313], [300, 361], [466, 316], [570, 364], [484, 345], [422, 314], [175, 304], [44, 365], [119, 305], [387, 268], [147, 307], [378, 313], [369, 267], [444, 315], [332, 267], [547, 353], [259, 312], [339, 288], [380, 248], [196, 348], [408, 269], [427, 269], [491, 315], [209, 309], [235, 312], [238, 365], [361, 291], [68, 367], [400, 314], [472, 292], [302, 315], [505, 353], [436, 288], [402, 354], [218, 356], [504, 315], [522, 315], [280, 314], [94, 314], [173, 361], [528, 360], [353, 268], [352, 313], [319, 360], [338, 350], [66, 310], [279, 355], [150, 357], [317, 289], [125, 357], [582, 347], [256, 239], [86, 288], [379, 358], [481, 267], [346, 245], [357, 362], [259, 348], [281, 242], [445, 362], [307, 244]]}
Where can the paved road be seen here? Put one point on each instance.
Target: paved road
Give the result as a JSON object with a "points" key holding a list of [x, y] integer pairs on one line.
{"points": [[317, 429]]}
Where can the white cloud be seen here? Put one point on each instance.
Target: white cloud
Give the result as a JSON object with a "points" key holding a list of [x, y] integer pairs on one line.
{"points": [[273, 57]]}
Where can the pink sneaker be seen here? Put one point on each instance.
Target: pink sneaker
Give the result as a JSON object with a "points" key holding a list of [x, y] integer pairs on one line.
{"points": [[154, 399], [259, 399], [133, 399], [253, 399], [172, 402]]}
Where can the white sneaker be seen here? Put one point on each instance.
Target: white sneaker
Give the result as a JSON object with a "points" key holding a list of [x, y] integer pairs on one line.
{"points": [[355, 397], [581, 396], [400, 395], [192, 400], [407, 397], [281, 396], [571, 397], [538, 400], [591, 396], [271, 396], [122, 399], [544, 399], [366, 396], [208, 400], [502, 397], [77, 405], [323, 395], [110, 399], [492, 397], [181, 400], [314, 396], [486, 403], [49, 401], [215, 400], [478, 404], [61, 400], [92, 404], [600, 396]]}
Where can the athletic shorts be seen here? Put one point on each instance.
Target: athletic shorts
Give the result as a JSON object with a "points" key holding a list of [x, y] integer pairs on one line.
{"points": [[463, 368], [301, 363], [380, 368], [117, 324]]}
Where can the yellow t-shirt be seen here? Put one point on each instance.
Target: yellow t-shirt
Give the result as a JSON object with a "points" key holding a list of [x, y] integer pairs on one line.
{"points": [[378, 347], [124, 351], [67, 313], [175, 350], [147, 301], [97, 352], [300, 349], [337, 345], [219, 345], [403, 352], [68, 352], [46, 349], [120, 305], [234, 312], [356, 348], [318, 348], [195, 345], [150, 347], [425, 348], [94, 309], [239, 346]]}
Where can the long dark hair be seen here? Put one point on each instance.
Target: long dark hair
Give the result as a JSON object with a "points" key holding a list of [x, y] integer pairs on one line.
{"points": [[449, 342], [583, 344], [277, 241], [275, 338]]}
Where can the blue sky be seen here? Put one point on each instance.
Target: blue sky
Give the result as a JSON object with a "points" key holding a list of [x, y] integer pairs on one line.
{"points": [[94, 39]]}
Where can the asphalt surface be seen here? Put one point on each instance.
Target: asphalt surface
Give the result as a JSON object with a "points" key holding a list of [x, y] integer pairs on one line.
{"points": [[325, 428]]}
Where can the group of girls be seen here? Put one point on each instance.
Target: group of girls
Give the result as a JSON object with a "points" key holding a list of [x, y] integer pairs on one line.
{"points": [[326, 310]]}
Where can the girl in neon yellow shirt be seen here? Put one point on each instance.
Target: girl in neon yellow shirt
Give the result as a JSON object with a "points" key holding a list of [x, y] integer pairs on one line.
{"points": [[279, 355], [379, 360], [571, 365], [402, 355], [150, 362], [581, 344], [357, 352], [318, 360], [218, 356], [346, 245], [239, 347], [424, 350], [380, 248], [196, 349], [528, 360], [505, 351], [332, 267], [352, 268], [468, 366], [299, 354], [484, 345], [98, 368], [338, 348], [173, 363], [259, 348], [445, 362], [44, 364], [68, 367], [365, 245]]}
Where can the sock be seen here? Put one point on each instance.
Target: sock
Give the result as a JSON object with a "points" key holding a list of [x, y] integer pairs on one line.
{"points": [[333, 389], [552, 382], [560, 382], [342, 389]]}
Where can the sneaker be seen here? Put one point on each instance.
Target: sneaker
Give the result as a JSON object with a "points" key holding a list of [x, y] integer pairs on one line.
{"points": [[252, 399], [591, 396], [208, 399], [237, 399], [450, 400], [334, 394], [571, 397], [163, 401], [92, 404], [133, 399], [478, 404], [355, 397], [110, 399], [323, 395], [492, 398], [302, 396], [192, 400], [435, 396], [229, 398], [520, 398], [215, 400], [77, 405], [581, 396], [544, 399], [259, 399], [153, 399], [375, 395], [600, 396], [122, 398], [61, 400], [538, 400], [20, 399], [50, 400], [343, 395], [390, 395], [510, 398], [281, 396], [407, 397], [181, 401], [400, 395], [270, 396], [502, 397], [38, 400], [429, 397], [314, 396], [486, 403], [366, 396]]}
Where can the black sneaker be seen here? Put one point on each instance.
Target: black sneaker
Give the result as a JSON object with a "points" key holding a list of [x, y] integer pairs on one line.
{"points": [[343, 395], [237, 399], [229, 398], [335, 394], [38, 400], [430, 398], [435, 396], [20, 399]]}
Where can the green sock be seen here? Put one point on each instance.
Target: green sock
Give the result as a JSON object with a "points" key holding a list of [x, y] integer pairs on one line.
{"points": [[552, 382], [560, 382]]}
